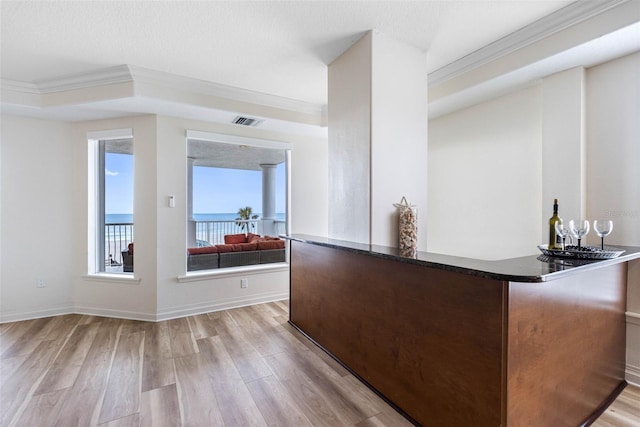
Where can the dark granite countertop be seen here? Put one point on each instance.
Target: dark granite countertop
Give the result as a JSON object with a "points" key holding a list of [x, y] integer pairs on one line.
{"points": [[533, 268]]}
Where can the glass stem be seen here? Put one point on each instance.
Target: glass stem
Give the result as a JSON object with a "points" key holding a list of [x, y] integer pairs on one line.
{"points": [[602, 243], [579, 244]]}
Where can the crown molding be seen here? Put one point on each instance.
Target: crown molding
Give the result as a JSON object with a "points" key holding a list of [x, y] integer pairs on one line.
{"points": [[17, 86], [100, 77], [140, 76], [173, 81], [562, 19]]}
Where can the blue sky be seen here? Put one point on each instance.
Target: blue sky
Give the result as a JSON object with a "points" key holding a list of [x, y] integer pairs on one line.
{"points": [[118, 176], [215, 190]]}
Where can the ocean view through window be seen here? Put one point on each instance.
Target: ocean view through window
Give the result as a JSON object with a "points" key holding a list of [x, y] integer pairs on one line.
{"points": [[237, 190], [115, 206]]}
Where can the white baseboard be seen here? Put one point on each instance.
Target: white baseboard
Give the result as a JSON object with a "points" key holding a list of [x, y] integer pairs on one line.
{"points": [[187, 310], [632, 375], [193, 309], [632, 317], [166, 314], [116, 314], [36, 314], [632, 372]]}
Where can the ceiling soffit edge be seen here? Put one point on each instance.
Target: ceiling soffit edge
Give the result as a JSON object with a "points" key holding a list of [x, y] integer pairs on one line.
{"points": [[562, 19], [144, 75], [17, 86], [139, 76], [94, 78]]}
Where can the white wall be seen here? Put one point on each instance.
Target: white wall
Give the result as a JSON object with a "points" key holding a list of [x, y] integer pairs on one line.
{"points": [[309, 215], [118, 296], [493, 170], [613, 153], [37, 224], [398, 137], [485, 179], [563, 146], [377, 139], [349, 116], [45, 228], [613, 173]]}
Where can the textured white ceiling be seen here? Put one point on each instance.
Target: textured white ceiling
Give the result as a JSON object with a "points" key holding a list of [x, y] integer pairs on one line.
{"points": [[275, 47]]}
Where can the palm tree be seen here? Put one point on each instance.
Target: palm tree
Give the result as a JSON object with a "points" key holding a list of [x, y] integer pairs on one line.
{"points": [[244, 215]]}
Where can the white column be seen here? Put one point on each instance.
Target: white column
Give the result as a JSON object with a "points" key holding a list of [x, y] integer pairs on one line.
{"points": [[268, 199], [191, 222], [377, 149]]}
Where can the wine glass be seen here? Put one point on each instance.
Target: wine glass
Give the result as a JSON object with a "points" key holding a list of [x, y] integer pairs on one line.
{"points": [[579, 229], [562, 231], [602, 228]]}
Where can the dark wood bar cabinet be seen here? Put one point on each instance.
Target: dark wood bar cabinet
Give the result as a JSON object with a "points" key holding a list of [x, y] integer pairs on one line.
{"points": [[453, 341]]}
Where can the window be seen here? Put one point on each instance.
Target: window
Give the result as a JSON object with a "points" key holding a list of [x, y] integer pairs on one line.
{"points": [[238, 201], [113, 196]]}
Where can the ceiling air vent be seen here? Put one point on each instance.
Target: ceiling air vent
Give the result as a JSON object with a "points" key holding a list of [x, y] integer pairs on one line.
{"points": [[246, 121]]}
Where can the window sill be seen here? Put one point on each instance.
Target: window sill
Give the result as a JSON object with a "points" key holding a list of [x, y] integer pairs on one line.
{"points": [[125, 278], [197, 276]]}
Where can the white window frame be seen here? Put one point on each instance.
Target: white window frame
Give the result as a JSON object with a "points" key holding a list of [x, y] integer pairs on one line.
{"points": [[96, 198], [252, 142]]}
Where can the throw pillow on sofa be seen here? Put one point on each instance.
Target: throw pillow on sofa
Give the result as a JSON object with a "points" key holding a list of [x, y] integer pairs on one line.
{"points": [[270, 244], [232, 239], [203, 250]]}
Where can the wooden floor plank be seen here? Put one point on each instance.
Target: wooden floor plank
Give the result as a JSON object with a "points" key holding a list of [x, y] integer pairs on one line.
{"points": [[214, 315], [307, 395], [24, 339], [250, 367], [330, 361], [335, 389], [87, 318], [195, 393], [84, 400], [130, 326], [624, 411], [10, 365], [160, 408], [130, 421], [264, 312], [62, 374], [278, 309], [181, 338], [387, 416], [276, 404], [383, 420], [4, 327], [12, 332], [234, 399], [264, 337], [60, 326], [43, 409], [284, 305], [262, 315], [157, 368], [246, 358], [17, 390], [202, 326], [122, 396]]}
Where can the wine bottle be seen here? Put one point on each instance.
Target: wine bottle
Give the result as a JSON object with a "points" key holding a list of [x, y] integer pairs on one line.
{"points": [[555, 241]]}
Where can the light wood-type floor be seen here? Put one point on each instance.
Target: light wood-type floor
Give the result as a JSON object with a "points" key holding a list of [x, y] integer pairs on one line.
{"points": [[240, 367]]}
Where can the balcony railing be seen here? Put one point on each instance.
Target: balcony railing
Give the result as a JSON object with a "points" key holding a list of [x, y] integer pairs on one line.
{"points": [[116, 239], [280, 226], [118, 236], [213, 232]]}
